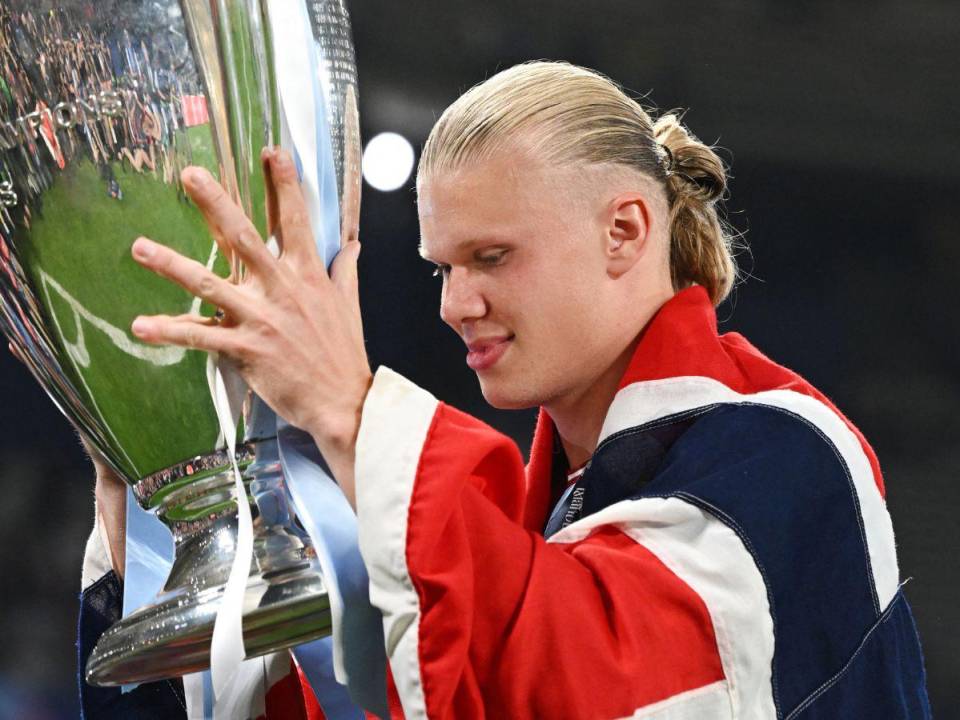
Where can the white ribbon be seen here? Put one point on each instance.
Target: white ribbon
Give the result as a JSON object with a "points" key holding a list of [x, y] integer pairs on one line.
{"points": [[236, 682], [237, 685]]}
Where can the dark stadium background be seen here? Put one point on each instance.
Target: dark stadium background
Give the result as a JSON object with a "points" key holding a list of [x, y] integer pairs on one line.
{"points": [[840, 122]]}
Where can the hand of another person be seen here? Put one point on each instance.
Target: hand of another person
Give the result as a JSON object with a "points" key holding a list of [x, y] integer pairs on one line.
{"points": [[111, 494], [293, 331]]}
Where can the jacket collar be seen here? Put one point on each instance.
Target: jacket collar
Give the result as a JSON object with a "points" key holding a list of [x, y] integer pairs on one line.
{"points": [[680, 339]]}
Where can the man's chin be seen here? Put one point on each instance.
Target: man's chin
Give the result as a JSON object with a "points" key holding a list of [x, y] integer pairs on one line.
{"points": [[503, 397]]}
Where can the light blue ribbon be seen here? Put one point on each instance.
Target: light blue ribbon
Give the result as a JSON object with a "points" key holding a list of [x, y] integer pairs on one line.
{"points": [[332, 525], [321, 506], [149, 557]]}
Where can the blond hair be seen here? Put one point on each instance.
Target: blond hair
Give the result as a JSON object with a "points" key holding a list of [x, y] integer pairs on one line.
{"points": [[566, 114]]}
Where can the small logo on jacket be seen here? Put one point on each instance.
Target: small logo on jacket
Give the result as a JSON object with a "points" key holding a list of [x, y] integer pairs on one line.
{"points": [[576, 506]]}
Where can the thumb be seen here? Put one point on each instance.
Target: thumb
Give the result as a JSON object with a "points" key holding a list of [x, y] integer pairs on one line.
{"points": [[343, 272]]}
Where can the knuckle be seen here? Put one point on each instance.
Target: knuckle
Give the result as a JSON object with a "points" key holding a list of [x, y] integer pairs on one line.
{"points": [[285, 277], [191, 336], [261, 332], [245, 236], [312, 275], [288, 304], [285, 170], [218, 200], [206, 285], [298, 220], [278, 279], [260, 327], [238, 349]]}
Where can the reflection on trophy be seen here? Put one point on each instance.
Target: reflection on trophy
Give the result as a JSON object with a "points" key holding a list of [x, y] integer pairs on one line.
{"points": [[102, 105]]}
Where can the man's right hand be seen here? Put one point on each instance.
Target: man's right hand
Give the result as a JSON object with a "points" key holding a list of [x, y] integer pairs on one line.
{"points": [[111, 494]]}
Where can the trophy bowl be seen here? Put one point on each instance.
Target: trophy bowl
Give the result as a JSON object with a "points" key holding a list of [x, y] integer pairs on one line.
{"points": [[102, 104]]}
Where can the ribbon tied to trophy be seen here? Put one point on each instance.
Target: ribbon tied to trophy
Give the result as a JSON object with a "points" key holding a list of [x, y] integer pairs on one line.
{"points": [[238, 548]]}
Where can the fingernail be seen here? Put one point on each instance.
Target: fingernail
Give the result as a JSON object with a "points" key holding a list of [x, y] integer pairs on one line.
{"points": [[268, 152], [140, 326], [142, 248], [281, 158], [196, 178]]}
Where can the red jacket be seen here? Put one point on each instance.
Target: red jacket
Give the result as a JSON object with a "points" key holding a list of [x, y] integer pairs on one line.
{"points": [[726, 554]]}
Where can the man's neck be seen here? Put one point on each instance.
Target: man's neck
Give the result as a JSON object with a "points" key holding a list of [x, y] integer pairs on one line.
{"points": [[578, 419], [579, 416]]}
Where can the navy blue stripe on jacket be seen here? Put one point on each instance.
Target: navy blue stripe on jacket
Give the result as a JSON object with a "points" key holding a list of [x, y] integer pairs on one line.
{"points": [[100, 607], [782, 486]]}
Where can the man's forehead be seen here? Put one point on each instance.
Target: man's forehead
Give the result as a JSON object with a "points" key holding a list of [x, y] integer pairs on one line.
{"points": [[497, 171], [500, 200]]}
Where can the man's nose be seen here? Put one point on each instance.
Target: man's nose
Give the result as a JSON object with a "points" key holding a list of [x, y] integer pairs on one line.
{"points": [[461, 299]]}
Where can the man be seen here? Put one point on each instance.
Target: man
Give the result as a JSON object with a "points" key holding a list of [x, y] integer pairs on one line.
{"points": [[699, 533]]}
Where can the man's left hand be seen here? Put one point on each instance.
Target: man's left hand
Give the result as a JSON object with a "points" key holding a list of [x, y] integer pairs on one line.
{"points": [[293, 331]]}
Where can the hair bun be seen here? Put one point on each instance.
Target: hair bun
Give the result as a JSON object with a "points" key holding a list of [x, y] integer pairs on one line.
{"points": [[698, 168]]}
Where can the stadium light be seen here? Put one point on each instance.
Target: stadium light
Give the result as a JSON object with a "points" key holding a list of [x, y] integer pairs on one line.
{"points": [[387, 161]]}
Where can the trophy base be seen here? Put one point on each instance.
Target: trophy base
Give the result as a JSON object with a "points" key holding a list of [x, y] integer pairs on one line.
{"points": [[285, 603], [172, 637]]}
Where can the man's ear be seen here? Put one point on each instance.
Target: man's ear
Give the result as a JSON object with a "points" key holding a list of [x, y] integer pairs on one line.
{"points": [[627, 232]]}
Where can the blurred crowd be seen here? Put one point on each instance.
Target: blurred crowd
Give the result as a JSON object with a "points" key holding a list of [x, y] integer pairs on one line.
{"points": [[74, 83]]}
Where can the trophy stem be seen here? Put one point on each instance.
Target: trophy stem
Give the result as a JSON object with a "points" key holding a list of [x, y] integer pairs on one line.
{"points": [[171, 636]]}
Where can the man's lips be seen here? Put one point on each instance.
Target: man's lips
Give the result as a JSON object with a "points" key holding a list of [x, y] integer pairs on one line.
{"points": [[483, 354]]}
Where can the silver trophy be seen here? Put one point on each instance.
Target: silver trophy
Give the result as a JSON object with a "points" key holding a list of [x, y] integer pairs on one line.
{"points": [[102, 104]]}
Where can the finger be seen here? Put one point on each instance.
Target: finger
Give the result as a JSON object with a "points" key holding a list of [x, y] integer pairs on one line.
{"points": [[185, 331], [257, 257], [343, 273], [272, 208], [227, 220], [295, 234], [190, 275], [215, 230]]}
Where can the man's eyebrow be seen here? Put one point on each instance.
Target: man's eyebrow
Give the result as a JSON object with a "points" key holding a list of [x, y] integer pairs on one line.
{"points": [[422, 251], [465, 245]]}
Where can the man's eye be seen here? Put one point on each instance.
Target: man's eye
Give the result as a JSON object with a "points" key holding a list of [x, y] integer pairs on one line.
{"points": [[491, 260]]}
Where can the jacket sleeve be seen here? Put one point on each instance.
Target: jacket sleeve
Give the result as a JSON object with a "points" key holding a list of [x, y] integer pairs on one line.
{"points": [[483, 618]]}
